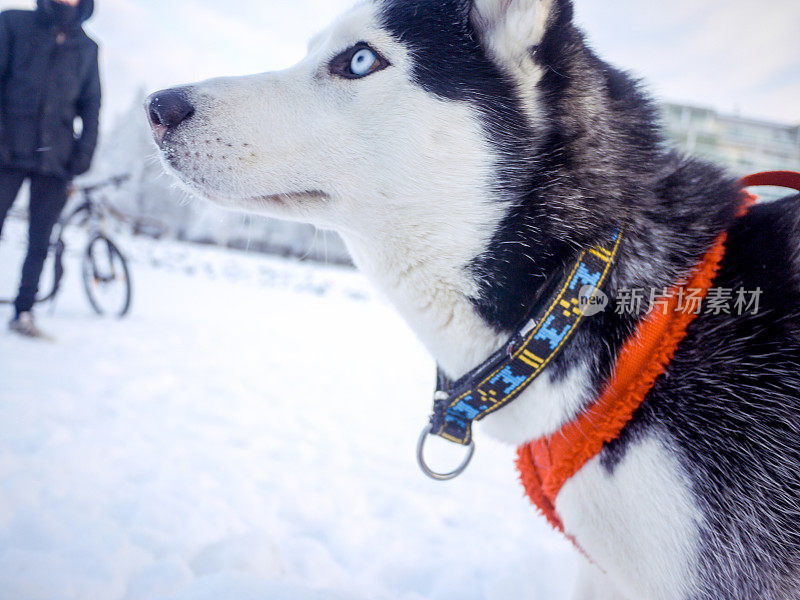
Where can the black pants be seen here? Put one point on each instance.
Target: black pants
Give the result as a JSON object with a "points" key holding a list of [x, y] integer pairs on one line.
{"points": [[48, 197]]}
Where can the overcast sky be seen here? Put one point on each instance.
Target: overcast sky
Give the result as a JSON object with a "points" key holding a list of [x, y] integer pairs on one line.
{"points": [[733, 55]]}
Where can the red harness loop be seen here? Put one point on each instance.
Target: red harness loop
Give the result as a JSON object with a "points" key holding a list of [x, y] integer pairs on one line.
{"points": [[786, 179], [546, 464]]}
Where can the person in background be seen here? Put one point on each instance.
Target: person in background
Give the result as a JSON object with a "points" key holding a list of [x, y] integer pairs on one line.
{"points": [[48, 76]]}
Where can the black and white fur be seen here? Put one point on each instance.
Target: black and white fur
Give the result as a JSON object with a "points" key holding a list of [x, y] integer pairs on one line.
{"points": [[491, 148]]}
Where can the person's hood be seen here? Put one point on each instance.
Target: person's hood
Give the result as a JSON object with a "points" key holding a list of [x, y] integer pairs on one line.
{"points": [[84, 11]]}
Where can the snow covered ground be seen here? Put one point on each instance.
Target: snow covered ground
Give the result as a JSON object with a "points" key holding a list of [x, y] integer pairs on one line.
{"points": [[247, 433]]}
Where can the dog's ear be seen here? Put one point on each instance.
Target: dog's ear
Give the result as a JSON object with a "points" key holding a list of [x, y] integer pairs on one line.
{"points": [[511, 30]]}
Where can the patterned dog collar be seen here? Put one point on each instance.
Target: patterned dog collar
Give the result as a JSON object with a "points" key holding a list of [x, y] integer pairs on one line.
{"points": [[508, 372]]}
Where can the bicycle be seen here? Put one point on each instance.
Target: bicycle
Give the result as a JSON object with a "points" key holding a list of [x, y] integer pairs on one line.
{"points": [[105, 273]]}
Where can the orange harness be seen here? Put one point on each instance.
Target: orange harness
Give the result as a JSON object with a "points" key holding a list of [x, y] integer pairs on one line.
{"points": [[546, 464]]}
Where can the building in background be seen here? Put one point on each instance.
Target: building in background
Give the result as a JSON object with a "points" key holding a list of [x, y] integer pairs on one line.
{"points": [[741, 144]]}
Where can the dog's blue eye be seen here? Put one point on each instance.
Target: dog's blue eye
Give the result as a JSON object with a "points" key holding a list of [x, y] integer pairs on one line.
{"points": [[363, 62], [357, 62]]}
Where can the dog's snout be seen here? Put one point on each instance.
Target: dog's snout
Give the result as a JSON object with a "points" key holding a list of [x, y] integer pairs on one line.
{"points": [[166, 110]]}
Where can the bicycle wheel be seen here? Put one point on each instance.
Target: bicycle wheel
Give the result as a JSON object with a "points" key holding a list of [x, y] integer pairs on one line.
{"points": [[106, 278]]}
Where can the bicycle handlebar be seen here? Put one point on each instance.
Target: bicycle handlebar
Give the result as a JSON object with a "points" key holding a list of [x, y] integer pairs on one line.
{"points": [[115, 181]]}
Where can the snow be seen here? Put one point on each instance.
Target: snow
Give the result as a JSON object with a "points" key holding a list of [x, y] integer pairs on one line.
{"points": [[247, 433]]}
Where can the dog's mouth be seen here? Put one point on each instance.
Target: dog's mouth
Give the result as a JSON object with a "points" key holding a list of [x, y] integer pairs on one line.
{"points": [[290, 201], [281, 200], [291, 197], [215, 190]]}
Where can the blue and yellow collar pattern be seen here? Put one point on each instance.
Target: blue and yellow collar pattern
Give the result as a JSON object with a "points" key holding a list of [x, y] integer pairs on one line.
{"points": [[503, 377]]}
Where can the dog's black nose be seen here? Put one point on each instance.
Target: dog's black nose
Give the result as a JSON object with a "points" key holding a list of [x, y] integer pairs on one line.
{"points": [[168, 109]]}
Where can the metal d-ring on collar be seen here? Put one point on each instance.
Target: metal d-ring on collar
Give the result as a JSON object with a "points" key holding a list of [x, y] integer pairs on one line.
{"points": [[442, 384], [509, 371], [430, 472]]}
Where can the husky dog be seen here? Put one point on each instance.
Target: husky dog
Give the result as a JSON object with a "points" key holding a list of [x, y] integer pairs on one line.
{"points": [[466, 150]]}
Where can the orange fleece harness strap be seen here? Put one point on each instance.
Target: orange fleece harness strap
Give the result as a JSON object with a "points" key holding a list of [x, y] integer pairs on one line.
{"points": [[546, 464]]}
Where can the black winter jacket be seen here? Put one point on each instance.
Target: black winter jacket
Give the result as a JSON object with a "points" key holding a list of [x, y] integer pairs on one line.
{"points": [[48, 76]]}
